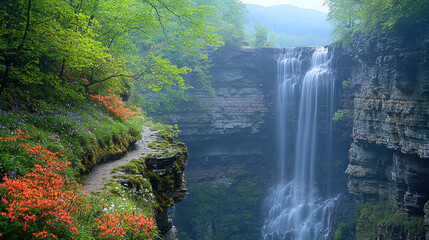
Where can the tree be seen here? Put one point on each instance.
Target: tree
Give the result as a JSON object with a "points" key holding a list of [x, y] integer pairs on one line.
{"points": [[376, 16], [262, 36], [68, 48], [226, 19], [343, 14], [36, 34], [229, 19]]}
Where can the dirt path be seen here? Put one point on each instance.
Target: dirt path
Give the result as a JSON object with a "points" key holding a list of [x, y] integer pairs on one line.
{"points": [[102, 173]]}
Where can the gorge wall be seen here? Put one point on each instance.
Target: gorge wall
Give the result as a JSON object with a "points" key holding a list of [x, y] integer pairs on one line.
{"points": [[233, 132], [388, 144], [236, 131], [390, 150]]}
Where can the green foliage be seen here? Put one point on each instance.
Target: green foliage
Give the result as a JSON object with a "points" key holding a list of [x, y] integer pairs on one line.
{"points": [[376, 16], [262, 36], [342, 115], [338, 235], [345, 84], [82, 132], [159, 73], [387, 15], [228, 17], [221, 212], [343, 14], [382, 220], [72, 48]]}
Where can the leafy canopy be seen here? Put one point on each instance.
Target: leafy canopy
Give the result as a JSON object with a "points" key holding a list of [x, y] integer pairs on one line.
{"points": [[76, 47], [376, 16]]}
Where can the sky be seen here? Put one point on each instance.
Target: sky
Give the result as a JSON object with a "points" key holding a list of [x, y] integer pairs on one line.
{"points": [[311, 4]]}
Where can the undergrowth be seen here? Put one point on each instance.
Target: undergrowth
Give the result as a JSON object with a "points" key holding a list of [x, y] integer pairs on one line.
{"points": [[43, 147], [381, 220]]}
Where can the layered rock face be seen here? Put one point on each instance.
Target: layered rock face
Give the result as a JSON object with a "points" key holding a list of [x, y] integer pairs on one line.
{"points": [[389, 157], [237, 130], [234, 131], [161, 174]]}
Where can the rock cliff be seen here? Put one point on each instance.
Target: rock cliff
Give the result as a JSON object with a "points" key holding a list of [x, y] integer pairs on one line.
{"points": [[233, 132], [160, 173], [389, 156], [236, 131]]}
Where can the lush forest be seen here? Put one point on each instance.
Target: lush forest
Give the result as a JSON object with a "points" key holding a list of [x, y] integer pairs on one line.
{"points": [[70, 74], [376, 17]]}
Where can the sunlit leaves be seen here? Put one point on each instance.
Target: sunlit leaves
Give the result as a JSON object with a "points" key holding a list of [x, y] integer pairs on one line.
{"points": [[159, 73], [376, 16], [106, 41]]}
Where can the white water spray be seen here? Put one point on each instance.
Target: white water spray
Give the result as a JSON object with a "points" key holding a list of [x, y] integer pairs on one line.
{"points": [[294, 208]]}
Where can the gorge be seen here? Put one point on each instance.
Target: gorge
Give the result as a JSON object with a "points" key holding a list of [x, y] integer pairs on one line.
{"points": [[383, 81], [282, 136]]}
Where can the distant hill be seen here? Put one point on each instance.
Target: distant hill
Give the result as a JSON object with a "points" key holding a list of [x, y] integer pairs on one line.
{"points": [[291, 21]]}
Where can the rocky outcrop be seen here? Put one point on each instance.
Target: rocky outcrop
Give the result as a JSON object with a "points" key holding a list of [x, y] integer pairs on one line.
{"points": [[161, 173], [389, 157], [166, 175]]}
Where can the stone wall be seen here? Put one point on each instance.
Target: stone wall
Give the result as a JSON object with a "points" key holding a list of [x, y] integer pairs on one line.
{"points": [[390, 150]]}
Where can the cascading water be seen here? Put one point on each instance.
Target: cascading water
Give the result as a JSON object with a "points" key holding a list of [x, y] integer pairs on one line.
{"points": [[295, 209]]}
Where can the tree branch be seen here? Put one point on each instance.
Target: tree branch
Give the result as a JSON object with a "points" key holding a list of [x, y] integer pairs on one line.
{"points": [[159, 18], [92, 82]]}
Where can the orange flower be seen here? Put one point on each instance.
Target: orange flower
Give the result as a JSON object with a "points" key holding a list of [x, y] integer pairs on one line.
{"points": [[42, 197], [114, 105]]}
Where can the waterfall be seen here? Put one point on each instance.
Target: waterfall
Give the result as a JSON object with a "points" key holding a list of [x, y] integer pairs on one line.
{"points": [[294, 207]]}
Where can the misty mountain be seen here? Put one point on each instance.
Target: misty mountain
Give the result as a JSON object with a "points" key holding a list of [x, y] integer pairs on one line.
{"points": [[291, 20]]}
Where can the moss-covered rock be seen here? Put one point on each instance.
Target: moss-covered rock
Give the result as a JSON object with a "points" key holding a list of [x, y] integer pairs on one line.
{"points": [[163, 172], [104, 151]]}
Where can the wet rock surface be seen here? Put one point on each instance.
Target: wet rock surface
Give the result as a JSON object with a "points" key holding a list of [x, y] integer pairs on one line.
{"points": [[163, 168], [236, 131], [232, 132], [102, 173], [389, 157]]}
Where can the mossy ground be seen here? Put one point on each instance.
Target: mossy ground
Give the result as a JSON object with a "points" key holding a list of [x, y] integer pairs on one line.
{"points": [[163, 182]]}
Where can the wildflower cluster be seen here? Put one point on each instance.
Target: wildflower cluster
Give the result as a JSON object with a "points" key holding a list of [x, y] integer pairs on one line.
{"points": [[71, 77], [14, 138], [115, 106], [41, 148], [45, 203], [40, 203], [137, 226], [14, 145], [71, 129]]}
